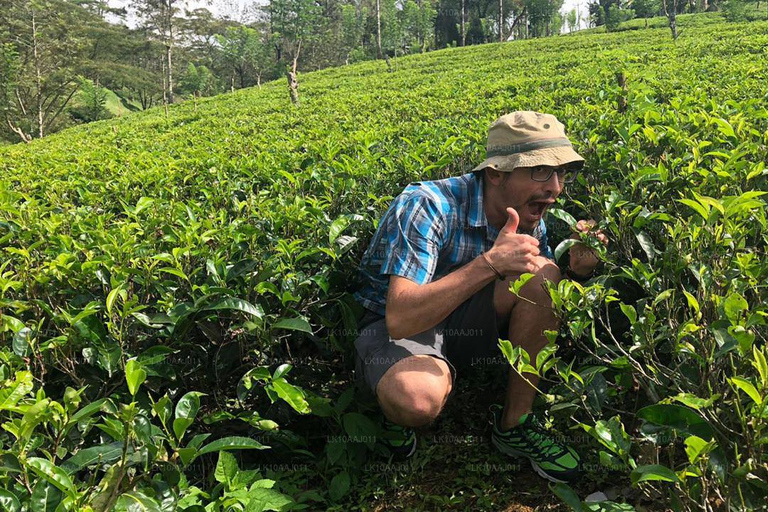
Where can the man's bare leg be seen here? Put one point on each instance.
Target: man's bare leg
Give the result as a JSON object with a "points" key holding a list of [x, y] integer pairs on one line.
{"points": [[414, 390], [527, 323]]}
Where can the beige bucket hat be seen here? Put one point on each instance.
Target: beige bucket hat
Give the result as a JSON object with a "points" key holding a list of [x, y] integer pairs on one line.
{"points": [[528, 139]]}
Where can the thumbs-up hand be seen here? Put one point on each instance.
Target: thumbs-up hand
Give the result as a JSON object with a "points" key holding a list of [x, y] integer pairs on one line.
{"points": [[512, 253]]}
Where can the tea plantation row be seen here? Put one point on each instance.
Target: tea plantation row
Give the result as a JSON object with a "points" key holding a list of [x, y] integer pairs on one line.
{"points": [[158, 271]]}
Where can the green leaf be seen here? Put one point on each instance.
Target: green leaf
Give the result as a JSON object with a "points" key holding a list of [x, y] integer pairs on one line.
{"points": [[563, 216], [702, 210], [291, 394], [52, 473], [652, 472], [564, 246], [695, 447], [747, 387], [45, 497], [11, 394], [293, 324], [567, 495], [646, 244], [340, 224], [143, 203], [186, 410], [9, 502], [677, 417], [518, 283], [226, 468], [733, 306], [21, 342], [101, 454], [261, 499], [238, 305], [231, 443], [760, 365], [692, 302], [134, 375], [136, 501], [339, 486], [359, 428], [629, 312]]}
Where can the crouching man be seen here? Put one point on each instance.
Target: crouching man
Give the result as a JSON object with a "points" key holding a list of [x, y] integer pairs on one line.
{"points": [[436, 287]]}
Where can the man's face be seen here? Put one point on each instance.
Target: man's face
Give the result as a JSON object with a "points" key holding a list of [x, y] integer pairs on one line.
{"points": [[530, 198]]}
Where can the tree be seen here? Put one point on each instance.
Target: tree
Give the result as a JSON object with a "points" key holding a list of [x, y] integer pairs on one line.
{"points": [[161, 18], [243, 50], [46, 48], [572, 20], [93, 102]]}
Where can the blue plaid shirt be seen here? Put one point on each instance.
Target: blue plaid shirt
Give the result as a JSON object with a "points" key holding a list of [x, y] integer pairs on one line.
{"points": [[430, 229]]}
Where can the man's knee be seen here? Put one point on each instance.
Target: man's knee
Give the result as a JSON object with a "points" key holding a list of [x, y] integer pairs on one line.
{"points": [[412, 393]]}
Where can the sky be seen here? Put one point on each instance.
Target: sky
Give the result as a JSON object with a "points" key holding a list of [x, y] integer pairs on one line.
{"points": [[235, 7]]}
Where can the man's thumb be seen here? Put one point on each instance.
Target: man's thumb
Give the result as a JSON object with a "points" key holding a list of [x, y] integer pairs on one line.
{"points": [[512, 221]]}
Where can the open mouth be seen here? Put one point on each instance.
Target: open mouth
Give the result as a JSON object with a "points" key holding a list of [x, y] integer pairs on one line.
{"points": [[537, 208]]}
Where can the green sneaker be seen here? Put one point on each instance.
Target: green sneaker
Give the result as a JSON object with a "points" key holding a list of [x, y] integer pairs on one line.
{"points": [[550, 458], [401, 441]]}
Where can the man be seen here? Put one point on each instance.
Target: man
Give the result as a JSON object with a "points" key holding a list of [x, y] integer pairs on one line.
{"points": [[436, 286]]}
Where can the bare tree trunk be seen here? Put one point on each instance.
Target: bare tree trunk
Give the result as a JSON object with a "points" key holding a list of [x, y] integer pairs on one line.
{"points": [[18, 131], [378, 29], [293, 83], [621, 101], [169, 47], [170, 75], [463, 32], [38, 77], [501, 21], [672, 17]]}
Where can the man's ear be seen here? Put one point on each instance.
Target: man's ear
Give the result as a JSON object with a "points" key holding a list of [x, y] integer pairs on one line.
{"points": [[493, 176]]}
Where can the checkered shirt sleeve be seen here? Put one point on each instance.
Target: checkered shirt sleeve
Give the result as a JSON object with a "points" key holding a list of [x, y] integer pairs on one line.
{"points": [[415, 231]]}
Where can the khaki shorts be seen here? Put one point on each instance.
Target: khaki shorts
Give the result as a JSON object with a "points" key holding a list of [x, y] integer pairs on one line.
{"points": [[467, 338]]}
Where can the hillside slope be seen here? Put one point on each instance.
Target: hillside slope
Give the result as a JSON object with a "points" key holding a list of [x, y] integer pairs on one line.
{"points": [[209, 246]]}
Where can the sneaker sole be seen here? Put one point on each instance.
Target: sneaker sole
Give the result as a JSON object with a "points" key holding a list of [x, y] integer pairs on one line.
{"points": [[511, 451]]}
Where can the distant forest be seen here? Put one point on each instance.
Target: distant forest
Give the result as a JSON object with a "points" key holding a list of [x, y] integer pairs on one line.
{"points": [[64, 62]]}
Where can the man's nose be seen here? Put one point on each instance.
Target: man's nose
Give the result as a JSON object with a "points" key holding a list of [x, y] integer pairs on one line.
{"points": [[553, 184]]}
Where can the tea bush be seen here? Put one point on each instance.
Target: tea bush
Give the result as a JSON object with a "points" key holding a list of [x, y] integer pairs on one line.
{"points": [[174, 288]]}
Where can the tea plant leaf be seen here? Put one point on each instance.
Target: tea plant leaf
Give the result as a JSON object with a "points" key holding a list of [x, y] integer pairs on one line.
{"points": [[9, 502], [564, 246], [45, 496], [231, 443], [563, 216], [186, 410], [747, 387], [237, 305], [653, 472], [134, 375], [103, 454], [293, 324], [339, 486], [518, 283], [11, 394], [677, 417], [262, 499], [52, 473], [760, 365], [567, 495], [136, 501], [226, 468], [291, 394]]}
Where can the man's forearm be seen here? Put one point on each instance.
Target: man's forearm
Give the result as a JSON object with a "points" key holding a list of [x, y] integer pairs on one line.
{"points": [[421, 307]]}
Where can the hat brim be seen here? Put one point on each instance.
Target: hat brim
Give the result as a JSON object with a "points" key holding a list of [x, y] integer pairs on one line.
{"points": [[553, 157]]}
